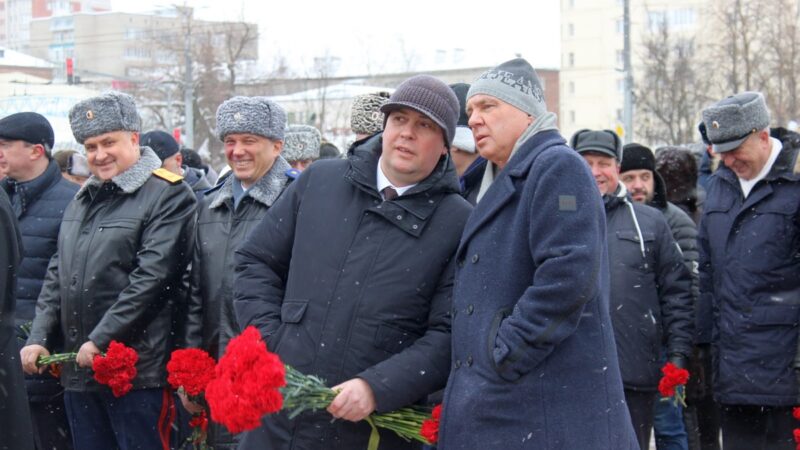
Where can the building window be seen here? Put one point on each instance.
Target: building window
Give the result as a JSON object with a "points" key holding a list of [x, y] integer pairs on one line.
{"points": [[676, 19], [620, 26], [620, 58], [621, 86], [571, 87], [571, 4], [619, 115], [571, 30], [572, 117], [572, 59]]}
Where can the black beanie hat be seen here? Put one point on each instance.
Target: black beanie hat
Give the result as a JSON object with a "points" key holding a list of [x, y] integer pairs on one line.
{"points": [[637, 157], [30, 127], [161, 142]]}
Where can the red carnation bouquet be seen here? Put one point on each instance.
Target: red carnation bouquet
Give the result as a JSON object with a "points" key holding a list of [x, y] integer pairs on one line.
{"points": [[430, 427], [116, 368], [246, 383], [796, 415], [252, 382], [673, 384], [189, 371]]}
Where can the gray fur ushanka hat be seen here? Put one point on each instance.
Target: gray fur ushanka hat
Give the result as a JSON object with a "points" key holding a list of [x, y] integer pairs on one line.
{"points": [[301, 142], [110, 111], [729, 122], [251, 115]]}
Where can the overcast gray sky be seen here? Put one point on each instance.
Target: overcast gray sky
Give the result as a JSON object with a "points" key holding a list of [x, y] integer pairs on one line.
{"points": [[374, 36]]}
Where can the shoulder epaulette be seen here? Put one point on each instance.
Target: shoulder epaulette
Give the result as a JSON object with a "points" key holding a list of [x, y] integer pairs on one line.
{"points": [[165, 174]]}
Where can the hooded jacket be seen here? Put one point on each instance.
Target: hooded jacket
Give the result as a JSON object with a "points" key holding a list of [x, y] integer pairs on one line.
{"points": [[651, 305], [684, 231]]}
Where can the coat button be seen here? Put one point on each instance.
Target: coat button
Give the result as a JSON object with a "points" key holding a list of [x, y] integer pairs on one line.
{"points": [[74, 280], [73, 333], [460, 262], [468, 362], [457, 364], [475, 258], [470, 309]]}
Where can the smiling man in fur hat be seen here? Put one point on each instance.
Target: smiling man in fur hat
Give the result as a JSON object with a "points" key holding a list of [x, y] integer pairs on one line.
{"points": [[253, 131], [122, 249]]}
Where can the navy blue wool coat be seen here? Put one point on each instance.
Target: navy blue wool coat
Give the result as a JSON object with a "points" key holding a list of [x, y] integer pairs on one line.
{"points": [[534, 361]]}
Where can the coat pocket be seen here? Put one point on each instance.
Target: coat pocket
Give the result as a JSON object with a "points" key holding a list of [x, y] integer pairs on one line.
{"points": [[292, 311], [292, 341], [394, 339], [491, 343]]}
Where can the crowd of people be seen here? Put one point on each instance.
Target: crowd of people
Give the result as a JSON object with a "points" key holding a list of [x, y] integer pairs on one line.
{"points": [[461, 251]]}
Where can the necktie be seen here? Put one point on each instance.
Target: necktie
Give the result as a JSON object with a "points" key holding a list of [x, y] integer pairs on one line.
{"points": [[389, 193]]}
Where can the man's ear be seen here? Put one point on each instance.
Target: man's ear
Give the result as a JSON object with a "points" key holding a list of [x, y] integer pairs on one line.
{"points": [[38, 151], [179, 159]]}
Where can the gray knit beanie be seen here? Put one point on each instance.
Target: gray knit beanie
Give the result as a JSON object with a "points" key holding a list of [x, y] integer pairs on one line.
{"points": [[252, 115], [365, 114], [110, 111], [514, 82], [430, 96], [301, 142]]}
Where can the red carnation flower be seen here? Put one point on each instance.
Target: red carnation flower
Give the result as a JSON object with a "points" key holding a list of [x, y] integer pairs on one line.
{"points": [[797, 435], [796, 412], [199, 421], [673, 377], [246, 384], [191, 369], [117, 368], [430, 427]]}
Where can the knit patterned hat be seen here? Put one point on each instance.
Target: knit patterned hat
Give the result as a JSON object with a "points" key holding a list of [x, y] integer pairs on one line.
{"points": [[429, 96], [251, 115], [301, 142], [514, 82], [365, 114], [110, 111]]}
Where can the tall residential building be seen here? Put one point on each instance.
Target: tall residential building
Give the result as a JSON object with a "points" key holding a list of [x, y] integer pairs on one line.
{"points": [[16, 16], [592, 58], [123, 45]]}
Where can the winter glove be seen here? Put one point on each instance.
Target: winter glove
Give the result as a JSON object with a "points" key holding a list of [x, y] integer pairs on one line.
{"points": [[678, 360]]}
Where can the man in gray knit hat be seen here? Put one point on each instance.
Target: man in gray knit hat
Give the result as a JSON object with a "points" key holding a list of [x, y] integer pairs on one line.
{"points": [[123, 246], [252, 130], [749, 242], [348, 276], [530, 303]]}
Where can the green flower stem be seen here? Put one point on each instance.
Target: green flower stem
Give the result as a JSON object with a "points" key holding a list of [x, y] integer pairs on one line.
{"points": [[56, 358], [309, 393]]}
